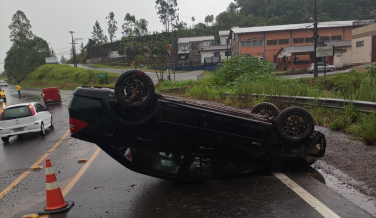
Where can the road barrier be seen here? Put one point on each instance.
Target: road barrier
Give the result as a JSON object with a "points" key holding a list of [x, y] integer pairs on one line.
{"points": [[362, 106]]}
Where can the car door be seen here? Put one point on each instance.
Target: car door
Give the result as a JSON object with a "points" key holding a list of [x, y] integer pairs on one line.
{"points": [[45, 114]]}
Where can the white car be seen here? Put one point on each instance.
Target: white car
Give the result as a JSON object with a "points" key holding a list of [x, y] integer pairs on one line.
{"points": [[24, 118], [3, 83]]}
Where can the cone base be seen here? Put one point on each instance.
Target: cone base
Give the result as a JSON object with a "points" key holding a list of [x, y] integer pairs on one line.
{"points": [[61, 210]]}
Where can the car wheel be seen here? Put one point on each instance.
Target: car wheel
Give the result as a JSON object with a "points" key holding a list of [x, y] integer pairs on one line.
{"points": [[42, 130], [331, 69], [266, 109], [134, 89], [5, 100], [295, 124], [5, 139], [52, 124]]}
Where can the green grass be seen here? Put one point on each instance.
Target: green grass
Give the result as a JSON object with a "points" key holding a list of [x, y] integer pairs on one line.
{"points": [[65, 77], [107, 66]]}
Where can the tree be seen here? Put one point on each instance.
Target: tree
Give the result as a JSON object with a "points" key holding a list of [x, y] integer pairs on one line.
{"points": [[97, 33], [97, 39], [27, 51], [52, 52], [133, 27], [20, 28], [111, 26], [168, 12], [82, 48], [63, 60], [209, 19], [193, 20]]}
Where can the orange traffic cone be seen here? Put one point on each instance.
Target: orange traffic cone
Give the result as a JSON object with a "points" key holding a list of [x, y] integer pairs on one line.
{"points": [[55, 202]]}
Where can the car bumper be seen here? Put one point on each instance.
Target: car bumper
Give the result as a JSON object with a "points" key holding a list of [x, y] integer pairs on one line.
{"points": [[27, 129]]}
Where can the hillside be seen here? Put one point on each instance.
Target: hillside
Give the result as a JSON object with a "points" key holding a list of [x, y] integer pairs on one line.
{"points": [[65, 77]]}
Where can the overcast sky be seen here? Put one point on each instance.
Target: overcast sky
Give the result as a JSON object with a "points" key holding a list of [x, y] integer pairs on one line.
{"points": [[52, 20]]}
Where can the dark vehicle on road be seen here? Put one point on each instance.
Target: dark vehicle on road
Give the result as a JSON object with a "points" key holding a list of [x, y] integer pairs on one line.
{"points": [[178, 139]]}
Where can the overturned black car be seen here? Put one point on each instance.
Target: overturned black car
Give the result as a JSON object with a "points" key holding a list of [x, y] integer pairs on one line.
{"points": [[179, 139]]}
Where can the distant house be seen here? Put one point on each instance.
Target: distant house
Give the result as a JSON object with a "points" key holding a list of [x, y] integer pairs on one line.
{"points": [[213, 53], [223, 36], [295, 57], [114, 53], [193, 43], [364, 45]]}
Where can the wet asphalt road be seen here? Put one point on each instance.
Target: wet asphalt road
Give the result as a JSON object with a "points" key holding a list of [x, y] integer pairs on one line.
{"points": [[107, 189]]}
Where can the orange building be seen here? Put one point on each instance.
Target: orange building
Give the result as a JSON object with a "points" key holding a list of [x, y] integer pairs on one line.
{"points": [[267, 41]]}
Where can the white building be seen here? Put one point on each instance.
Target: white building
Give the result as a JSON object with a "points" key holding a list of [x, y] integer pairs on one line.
{"points": [[223, 35], [114, 53], [215, 53], [364, 45], [193, 43]]}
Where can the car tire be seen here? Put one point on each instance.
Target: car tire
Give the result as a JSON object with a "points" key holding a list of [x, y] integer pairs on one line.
{"points": [[5, 100], [5, 139], [331, 69], [266, 109], [295, 124], [42, 130], [52, 124], [140, 83]]}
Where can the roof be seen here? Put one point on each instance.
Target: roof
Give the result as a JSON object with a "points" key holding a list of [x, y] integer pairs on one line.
{"points": [[224, 32], [195, 39], [22, 104], [340, 43], [215, 48], [292, 26]]}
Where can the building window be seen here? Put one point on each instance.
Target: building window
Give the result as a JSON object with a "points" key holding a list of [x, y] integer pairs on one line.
{"points": [[325, 38], [309, 40], [272, 42], [283, 41], [217, 54], [256, 43], [298, 40], [336, 38], [360, 44], [246, 44]]}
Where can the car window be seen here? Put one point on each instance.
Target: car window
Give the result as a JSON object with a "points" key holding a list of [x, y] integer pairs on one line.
{"points": [[37, 108], [41, 107], [16, 112]]}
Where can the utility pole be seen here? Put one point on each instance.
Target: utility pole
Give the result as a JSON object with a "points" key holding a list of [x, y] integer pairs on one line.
{"points": [[315, 38], [73, 50]]}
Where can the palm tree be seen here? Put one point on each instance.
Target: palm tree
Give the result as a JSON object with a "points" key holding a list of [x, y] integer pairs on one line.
{"points": [[193, 20]]}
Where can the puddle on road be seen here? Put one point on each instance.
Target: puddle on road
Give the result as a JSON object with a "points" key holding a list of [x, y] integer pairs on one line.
{"points": [[343, 184]]}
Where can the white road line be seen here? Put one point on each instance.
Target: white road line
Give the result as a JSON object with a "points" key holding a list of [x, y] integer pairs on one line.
{"points": [[307, 197]]}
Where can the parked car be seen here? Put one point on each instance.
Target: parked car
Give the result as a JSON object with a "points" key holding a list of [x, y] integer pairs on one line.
{"points": [[2, 95], [180, 139], [3, 83], [51, 95], [321, 67], [24, 118]]}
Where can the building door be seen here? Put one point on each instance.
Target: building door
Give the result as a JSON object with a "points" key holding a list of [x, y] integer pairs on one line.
{"points": [[374, 49]]}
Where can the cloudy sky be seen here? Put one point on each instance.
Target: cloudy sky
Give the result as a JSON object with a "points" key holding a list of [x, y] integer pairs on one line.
{"points": [[52, 20]]}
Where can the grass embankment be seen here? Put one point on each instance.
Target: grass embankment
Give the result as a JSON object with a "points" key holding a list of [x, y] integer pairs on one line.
{"points": [[243, 76], [65, 77]]}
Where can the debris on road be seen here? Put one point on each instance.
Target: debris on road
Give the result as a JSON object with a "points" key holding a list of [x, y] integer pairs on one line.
{"points": [[36, 168], [83, 160]]}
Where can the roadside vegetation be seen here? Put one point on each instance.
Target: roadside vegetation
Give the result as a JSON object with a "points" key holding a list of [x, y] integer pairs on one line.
{"points": [[246, 76], [67, 77]]}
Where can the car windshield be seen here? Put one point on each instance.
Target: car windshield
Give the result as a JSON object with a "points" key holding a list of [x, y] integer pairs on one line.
{"points": [[16, 112]]}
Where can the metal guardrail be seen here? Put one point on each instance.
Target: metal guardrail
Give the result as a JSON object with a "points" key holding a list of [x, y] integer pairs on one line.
{"points": [[362, 106]]}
